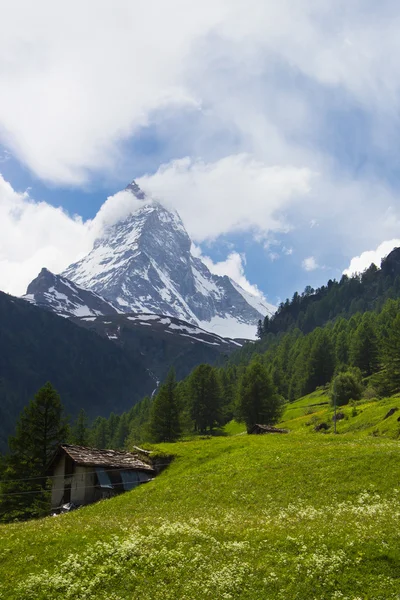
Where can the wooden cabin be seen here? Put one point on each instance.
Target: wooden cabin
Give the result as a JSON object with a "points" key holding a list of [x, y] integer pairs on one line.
{"points": [[83, 475], [259, 429]]}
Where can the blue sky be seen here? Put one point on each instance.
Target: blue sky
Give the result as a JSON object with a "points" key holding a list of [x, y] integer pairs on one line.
{"points": [[271, 129]]}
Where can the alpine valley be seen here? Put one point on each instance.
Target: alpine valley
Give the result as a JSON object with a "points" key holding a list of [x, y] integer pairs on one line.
{"points": [[138, 304]]}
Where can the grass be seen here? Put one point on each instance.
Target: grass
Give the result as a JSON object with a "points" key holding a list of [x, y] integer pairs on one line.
{"points": [[365, 417], [255, 517]]}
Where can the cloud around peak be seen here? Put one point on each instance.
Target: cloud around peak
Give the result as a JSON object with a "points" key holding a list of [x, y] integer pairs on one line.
{"points": [[235, 193], [358, 264]]}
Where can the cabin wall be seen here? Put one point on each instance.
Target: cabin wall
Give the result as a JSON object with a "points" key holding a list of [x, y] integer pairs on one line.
{"points": [[83, 485], [57, 490]]}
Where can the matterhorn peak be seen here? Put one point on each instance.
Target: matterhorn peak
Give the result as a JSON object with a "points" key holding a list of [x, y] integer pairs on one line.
{"points": [[135, 189], [142, 262]]}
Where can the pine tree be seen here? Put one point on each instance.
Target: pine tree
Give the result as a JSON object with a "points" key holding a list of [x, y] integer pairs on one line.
{"points": [[205, 398], [164, 425], [364, 347], [266, 325], [391, 355], [98, 437], [260, 329], [112, 426], [121, 433], [321, 365], [40, 429], [80, 430], [258, 401], [138, 421], [342, 348]]}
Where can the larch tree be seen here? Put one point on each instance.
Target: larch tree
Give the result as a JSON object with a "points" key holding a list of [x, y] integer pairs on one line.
{"points": [[164, 425], [40, 429], [205, 398], [258, 400], [80, 429]]}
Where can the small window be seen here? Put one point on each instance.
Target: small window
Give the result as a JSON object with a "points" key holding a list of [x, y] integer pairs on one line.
{"points": [[130, 479], [103, 478]]}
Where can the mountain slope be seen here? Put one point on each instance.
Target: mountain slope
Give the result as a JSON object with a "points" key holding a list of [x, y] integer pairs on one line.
{"points": [[63, 297], [100, 363], [162, 342], [144, 264], [88, 371]]}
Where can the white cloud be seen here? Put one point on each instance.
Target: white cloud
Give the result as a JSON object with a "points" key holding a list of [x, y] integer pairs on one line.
{"points": [[72, 91], [358, 264], [78, 80], [115, 208], [233, 267], [236, 193], [309, 264], [33, 235]]}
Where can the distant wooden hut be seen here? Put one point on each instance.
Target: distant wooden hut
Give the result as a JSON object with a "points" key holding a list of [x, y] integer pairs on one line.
{"points": [[83, 475], [259, 429]]}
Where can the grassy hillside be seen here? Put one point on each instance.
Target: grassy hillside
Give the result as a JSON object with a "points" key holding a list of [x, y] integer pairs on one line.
{"points": [[366, 417], [298, 516]]}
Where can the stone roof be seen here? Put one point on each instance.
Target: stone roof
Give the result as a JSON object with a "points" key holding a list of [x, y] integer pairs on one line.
{"points": [[93, 457]]}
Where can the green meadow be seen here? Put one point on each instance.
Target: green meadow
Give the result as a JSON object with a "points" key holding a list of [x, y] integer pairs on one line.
{"points": [[300, 516]]}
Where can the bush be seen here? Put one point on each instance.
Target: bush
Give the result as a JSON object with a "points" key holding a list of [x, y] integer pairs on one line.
{"points": [[345, 387], [370, 393]]}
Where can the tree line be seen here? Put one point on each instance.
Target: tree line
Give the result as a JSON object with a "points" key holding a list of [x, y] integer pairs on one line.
{"points": [[351, 295], [364, 347]]}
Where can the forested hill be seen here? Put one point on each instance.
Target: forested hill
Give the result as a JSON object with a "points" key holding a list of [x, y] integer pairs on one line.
{"points": [[88, 371], [344, 298]]}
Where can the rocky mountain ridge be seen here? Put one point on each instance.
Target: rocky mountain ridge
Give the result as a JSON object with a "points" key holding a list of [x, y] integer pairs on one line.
{"points": [[143, 263]]}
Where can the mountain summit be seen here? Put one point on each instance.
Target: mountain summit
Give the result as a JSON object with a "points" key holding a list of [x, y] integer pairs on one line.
{"points": [[143, 263]]}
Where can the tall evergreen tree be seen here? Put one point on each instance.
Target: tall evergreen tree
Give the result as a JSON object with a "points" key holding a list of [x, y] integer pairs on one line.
{"points": [[258, 400], [98, 437], [80, 430], [40, 429], [321, 364], [138, 421], [391, 355], [205, 398], [364, 351], [164, 425], [120, 436], [342, 348]]}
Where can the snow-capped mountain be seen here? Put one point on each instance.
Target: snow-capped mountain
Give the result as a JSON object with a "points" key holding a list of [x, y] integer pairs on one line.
{"points": [[144, 264], [63, 297]]}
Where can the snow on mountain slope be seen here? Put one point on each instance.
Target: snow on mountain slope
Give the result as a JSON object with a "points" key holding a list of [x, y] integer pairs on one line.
{"points": [[63, 297], [144, 264], [114, 327], [162, 342]]}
